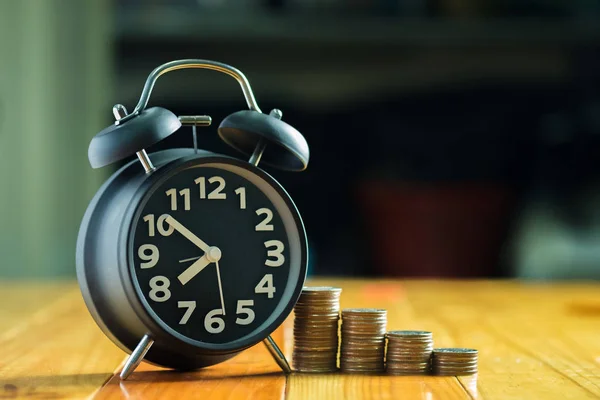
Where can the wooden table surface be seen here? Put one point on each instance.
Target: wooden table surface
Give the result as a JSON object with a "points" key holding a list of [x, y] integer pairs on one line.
{"points": [[535, 341]]}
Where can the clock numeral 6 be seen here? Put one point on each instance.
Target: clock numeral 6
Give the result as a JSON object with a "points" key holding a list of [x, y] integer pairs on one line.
{"points": [[266, 286], [159, 289], [216, 193], [212, 319], [163, 228], [148, 253], [277, 253]]}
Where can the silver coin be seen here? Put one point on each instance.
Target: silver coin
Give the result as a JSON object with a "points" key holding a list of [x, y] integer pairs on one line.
{"points": [[455, 351], [403, 334]]}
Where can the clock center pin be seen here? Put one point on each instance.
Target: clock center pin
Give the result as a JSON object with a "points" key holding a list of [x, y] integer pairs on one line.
{"points": [[213, 254]]}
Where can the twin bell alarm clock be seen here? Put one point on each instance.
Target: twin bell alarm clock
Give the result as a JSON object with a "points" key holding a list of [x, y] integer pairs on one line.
{"points": [[186, 257]]}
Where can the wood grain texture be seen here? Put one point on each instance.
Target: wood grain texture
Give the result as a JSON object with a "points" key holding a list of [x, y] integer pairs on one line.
{"points": [[250, 375], [20, 300], [58, 352], [535, 341]]}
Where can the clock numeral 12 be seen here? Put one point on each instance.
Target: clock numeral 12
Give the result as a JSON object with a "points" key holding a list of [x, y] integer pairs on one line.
{"points": [[216, 193]]}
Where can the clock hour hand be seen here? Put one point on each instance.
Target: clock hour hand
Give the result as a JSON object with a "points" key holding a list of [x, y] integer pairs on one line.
{"points": [[194, 269], [187, 233]]}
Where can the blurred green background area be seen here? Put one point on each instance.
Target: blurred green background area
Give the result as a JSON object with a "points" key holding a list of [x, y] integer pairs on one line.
{"points": [[448, 138]]}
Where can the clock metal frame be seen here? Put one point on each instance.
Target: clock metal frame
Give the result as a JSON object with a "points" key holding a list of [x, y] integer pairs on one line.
{"points": [[104, 264]]}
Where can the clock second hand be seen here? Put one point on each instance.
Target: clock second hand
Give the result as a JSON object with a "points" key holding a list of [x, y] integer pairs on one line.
{"points": [[190, 259], [220, 287]]}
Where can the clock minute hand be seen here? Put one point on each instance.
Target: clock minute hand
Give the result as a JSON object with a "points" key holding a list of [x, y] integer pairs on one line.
{"points": [[187, 233], [194, 269]]}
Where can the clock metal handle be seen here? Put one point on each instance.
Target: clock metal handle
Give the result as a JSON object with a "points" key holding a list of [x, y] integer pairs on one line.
{"points": [[190, 64]]}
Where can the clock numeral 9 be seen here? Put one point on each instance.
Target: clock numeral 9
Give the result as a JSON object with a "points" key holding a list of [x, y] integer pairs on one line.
{"points": [[159, 289], [264, 225], [185, 193], [216, 193], [163, 228], [148, 253], [266, 286], [277, 253]]}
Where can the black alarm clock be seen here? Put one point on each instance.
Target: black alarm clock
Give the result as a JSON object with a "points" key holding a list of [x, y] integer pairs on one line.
{"points": [[191, 257]]}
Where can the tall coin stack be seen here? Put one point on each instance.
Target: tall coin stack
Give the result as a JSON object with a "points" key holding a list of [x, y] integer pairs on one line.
{"points": [[363, 340], [454, 361], [316, 329], [408, 352]]}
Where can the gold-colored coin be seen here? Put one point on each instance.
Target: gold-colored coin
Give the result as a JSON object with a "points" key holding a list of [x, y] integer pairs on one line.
{"points": [[454, 361], [362, 347], [408, 352], [316, 324]]}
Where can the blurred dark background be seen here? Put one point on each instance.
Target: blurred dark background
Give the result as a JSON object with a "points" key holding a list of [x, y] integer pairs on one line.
{"points": [[448, 138]]}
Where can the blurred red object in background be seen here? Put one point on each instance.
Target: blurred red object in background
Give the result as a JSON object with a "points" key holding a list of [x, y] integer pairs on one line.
{"points": [[436, 229]]}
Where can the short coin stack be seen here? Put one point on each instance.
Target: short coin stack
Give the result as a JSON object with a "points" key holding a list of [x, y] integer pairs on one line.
{"points": [[408, 352], [316, 329], [363, 340], [454, 361]]}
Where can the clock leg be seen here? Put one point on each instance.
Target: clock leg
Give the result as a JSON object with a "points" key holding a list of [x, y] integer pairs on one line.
{"points": [[277, 354], [136, 356]]}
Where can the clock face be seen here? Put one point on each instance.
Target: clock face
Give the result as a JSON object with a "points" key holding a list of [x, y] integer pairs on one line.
{"points": [[218, 254]]}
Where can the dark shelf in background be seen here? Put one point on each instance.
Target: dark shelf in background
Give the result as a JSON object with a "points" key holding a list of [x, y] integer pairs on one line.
{"points": [[172, 24]]}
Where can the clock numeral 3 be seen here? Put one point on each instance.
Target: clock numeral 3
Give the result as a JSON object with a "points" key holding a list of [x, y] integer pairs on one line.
{"points": [[264, 225], [277, 253], [163, 228], [243, 307], [148, 253], [266, 286], [212, 319], [216, 193], [159, 289]]}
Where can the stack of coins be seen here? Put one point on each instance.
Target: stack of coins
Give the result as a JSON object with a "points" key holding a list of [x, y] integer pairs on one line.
{"points": [[454, 361], [408, 352], [363, 340], [317, 313]]}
